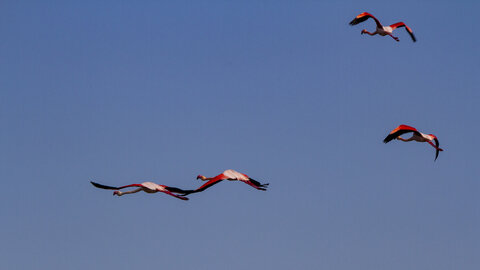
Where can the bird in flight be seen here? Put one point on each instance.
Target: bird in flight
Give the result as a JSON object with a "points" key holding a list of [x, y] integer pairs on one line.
{"points": [[148, 187], [417, 136], [230, 175], [381, 30]]}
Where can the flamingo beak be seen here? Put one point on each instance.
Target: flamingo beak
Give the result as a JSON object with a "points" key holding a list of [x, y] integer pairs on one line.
{"points": [[199, 177]]}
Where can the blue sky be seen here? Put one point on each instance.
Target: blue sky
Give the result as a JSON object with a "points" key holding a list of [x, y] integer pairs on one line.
{"points": [[284, 91]]}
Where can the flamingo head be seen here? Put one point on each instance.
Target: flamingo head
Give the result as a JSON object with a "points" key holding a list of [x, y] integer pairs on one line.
{"points": [[201, 177], [117, 192], [363, 31]]}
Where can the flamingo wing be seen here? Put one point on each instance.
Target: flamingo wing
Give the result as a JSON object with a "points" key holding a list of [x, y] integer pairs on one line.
{"points": [[409, 30], [176, 190], [258, 184], [169, 190], [363, 17], [210, 183], [437, 148], [402, 129], [114, 188]]}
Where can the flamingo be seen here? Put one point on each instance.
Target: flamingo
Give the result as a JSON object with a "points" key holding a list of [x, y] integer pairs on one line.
{"points": [[381, 30], [230, 175], [148, 187], [417, 136]]}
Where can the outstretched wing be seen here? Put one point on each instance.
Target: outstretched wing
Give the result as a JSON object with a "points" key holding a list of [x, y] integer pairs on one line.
{"points": [[402, 129], [437, 148], [176, 190], [409, 30], [169, 190], [363, 17], [206, 185], [114, 188], [259, 185]]}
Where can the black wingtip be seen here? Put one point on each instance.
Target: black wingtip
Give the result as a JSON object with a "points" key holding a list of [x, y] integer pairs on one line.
{"points": [[188, 192], [97, 185], [94, 184]]}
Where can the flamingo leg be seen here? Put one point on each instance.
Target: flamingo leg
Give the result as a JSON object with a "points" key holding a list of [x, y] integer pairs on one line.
{"points": [[120, 193], [396, 38], [434, 146]]}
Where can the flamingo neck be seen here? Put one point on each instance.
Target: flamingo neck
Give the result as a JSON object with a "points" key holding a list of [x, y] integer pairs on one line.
{"points": [[119, 193]]}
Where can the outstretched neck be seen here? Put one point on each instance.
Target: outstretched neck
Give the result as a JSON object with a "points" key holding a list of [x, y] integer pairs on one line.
{"points": [[405, 140], [364, 31], [120, 193]]}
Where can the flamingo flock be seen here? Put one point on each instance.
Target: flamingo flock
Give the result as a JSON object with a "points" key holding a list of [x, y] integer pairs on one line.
{"points": [[232, 175]]}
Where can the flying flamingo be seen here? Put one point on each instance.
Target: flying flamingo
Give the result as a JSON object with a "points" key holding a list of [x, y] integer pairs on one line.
{"points": [[381, 30], [230, 175], [417, 136], [148, 187]]}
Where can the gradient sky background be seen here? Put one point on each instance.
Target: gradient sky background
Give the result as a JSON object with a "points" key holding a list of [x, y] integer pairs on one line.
{"points": [[284, 91]]}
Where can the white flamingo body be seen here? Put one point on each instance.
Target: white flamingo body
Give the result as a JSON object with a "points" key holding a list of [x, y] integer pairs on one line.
{"points": [[386, 30], [234, 175], [151, 187], [421, 138]]}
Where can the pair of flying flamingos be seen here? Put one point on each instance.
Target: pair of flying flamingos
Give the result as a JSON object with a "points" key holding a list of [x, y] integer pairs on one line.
{"points": [[402, 129], [231, 175], [150, 187]]}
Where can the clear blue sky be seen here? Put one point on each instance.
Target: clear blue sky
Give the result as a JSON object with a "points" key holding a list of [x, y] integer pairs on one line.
{"points": [[284, 91]]}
